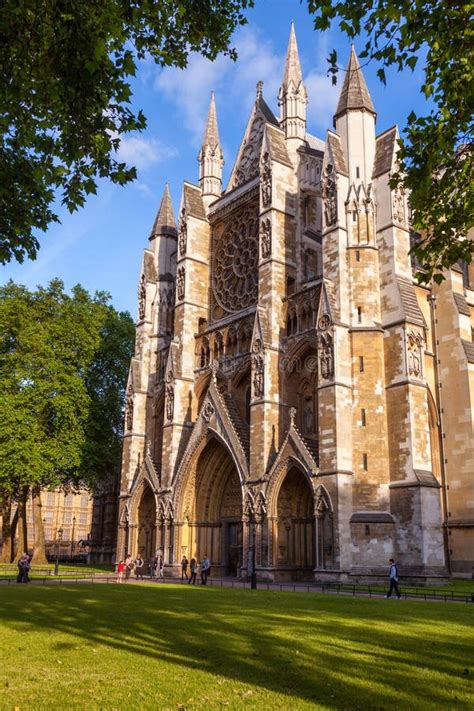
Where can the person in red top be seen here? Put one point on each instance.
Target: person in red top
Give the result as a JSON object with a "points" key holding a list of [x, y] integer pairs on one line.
{"points": [[120, 571]]}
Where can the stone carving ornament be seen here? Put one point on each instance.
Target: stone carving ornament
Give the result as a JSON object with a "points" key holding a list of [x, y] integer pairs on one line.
{"points": [[169, 401], [129, 408], [414, 349], [141, 298], [180, 283], [235, 275], [330, 196], [398, 206], [266, 181], [183, 233], [326, 356], [266, 238], [208, 411], [258, 376]]}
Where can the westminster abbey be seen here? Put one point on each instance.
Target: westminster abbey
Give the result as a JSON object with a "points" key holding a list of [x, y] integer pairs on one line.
{"points": [[296, 397]]}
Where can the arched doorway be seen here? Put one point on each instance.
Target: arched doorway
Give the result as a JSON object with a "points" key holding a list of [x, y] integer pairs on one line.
{"points": [[294, 550], [146, 523], [212, 510]]}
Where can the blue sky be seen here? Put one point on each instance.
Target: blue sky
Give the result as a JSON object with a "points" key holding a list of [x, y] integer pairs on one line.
{"points": [[101, 245]]}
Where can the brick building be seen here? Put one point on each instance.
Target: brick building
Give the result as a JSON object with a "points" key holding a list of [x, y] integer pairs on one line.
{"points": [[294, 392]]}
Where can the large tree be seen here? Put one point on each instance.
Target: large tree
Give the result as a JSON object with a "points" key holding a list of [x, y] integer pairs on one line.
{"points": [[436, 157], [65, 95], [50, 345]]}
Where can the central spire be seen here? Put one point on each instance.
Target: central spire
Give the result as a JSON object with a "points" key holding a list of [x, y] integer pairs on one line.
{"points": [[211, 158], [292, 64], [292, 96], [211, 132]]}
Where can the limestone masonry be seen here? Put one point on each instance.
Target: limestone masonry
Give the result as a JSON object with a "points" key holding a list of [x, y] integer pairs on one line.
{"points": [[295, 397]]}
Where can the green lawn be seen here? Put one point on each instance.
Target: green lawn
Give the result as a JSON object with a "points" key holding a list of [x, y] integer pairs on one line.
{"points": [[180, 647], [70, 570]]}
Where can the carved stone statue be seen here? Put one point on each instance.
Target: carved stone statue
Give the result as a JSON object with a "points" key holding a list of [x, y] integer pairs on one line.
{"points": [[129, 408], [141, 298], [266, 181], [169, 402], [266, 238], [180, 283], [326, 357], [183, 233], [330, 196], [258, 376]]}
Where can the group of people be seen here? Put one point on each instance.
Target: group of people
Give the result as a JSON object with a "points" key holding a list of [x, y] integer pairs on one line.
{"points": [[127, 566], [204, 567], [24, 566], [137, 565]]}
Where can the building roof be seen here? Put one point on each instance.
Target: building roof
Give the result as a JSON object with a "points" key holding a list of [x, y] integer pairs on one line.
{"points": [[193, 203], [336, 153], [385, 146], [164, 220], [354, 93], [411, 308]]}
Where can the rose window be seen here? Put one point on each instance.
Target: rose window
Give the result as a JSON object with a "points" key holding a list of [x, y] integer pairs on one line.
{"points": [[236, 262]]}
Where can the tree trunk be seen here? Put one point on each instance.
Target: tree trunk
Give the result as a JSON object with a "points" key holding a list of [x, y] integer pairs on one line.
{"points": [[39, 552], [6, 554], [22, 525]]}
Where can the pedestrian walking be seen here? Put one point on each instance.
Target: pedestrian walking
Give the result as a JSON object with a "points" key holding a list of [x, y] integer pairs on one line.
{"points": [[138, 565], [193, 571], [120, 571], [128, 567], [184, 568], [205, 570], [160, 567], [23, 569], [152, 566], [393, 578]]}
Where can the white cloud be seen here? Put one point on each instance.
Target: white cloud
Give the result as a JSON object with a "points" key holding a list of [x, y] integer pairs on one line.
{"points": [[233, 82], [323, 98], [144, 152]]}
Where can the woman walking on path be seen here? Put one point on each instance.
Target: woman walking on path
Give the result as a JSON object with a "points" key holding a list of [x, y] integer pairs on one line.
{"points": [[128, 567], [184, 568], [138, 563]]}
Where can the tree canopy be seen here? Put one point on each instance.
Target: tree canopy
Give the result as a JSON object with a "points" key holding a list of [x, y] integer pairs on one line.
{"points": [[63, 366], [436, 157], [65, 95]]}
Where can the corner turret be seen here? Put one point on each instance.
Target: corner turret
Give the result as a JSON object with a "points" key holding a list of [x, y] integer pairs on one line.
{"points": [[354, 122]]}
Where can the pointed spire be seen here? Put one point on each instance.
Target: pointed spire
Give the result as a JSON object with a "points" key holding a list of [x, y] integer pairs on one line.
{"points": [[292, 96], [292, 65], [354, 92], [164, 221], [211, 133], [211, 158]]}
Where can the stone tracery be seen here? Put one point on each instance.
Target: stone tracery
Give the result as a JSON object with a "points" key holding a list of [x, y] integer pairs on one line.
{"points": [[235, 277]]}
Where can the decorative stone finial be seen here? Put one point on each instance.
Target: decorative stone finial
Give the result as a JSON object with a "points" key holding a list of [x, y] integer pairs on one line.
{"points": [[259, 89], [292, 413]]}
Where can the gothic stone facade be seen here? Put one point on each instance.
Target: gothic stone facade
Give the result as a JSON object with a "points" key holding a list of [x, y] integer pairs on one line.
{"points": [[294, 391]]}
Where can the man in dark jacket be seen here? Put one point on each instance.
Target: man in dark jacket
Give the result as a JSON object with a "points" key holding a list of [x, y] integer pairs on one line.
{"points": [[393, 578]]}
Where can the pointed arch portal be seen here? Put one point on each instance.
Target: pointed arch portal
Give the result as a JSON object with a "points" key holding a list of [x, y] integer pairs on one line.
{"points": [[294, 548], [146, 523], [211, 510]]}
